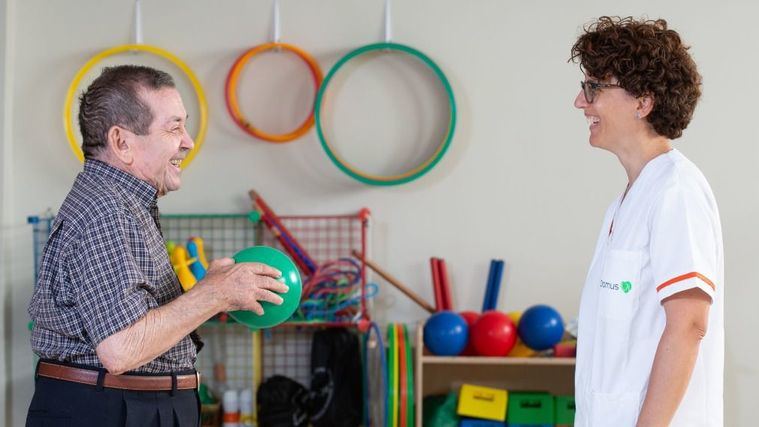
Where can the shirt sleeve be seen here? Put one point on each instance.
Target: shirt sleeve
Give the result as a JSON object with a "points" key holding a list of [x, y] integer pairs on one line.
{"points": [[110, 286], [684, 252]]}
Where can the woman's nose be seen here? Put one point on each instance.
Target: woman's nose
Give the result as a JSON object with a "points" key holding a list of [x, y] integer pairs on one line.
{"points": [[580, 101]]}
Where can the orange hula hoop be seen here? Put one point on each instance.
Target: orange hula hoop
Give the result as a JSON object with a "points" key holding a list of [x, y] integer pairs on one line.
{"points": [[233, 78]]}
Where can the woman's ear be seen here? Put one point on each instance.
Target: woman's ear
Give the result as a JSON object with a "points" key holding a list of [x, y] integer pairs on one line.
{"points": [[645, 106], [121, 145]]}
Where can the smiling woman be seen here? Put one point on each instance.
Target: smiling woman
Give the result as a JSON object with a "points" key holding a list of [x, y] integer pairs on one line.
{"points": [[644, 356]]}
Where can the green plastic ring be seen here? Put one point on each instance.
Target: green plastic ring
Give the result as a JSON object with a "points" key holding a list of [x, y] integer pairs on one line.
{"points": [[417, 171]]}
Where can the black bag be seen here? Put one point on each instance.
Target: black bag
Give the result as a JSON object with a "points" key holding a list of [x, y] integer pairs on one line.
{"points": [[282, 402], [336, 380]]}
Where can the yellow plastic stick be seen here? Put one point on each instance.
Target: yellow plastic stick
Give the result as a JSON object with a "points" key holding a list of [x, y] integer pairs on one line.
{"points": [[201, 252], [181, 262]]}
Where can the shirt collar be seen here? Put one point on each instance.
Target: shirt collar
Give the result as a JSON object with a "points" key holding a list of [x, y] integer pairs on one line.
{"points": [[145, 193], [654, 163]]}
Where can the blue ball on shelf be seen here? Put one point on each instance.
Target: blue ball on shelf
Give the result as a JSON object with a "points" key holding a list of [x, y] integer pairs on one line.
{"points": [[541, 327], [446, 333]]}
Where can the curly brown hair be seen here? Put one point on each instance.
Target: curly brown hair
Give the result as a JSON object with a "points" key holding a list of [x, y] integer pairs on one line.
{"points": [[647, 58]]}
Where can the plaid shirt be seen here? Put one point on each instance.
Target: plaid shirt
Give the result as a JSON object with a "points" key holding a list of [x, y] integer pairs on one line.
{"points": [[103, 267]]}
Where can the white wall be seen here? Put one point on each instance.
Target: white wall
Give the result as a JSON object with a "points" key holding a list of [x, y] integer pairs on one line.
{"points": [[5, 330], [520, 181]]}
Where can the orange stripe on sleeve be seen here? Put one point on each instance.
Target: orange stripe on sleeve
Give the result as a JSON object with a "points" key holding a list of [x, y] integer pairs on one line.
{"points": [[684, 277]]}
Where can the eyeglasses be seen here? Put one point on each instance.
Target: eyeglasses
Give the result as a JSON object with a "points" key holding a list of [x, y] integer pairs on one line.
{"points": [[589, 89]]}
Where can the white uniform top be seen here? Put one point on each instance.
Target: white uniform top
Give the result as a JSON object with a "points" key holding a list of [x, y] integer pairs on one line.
{"points": [[663, 238]]}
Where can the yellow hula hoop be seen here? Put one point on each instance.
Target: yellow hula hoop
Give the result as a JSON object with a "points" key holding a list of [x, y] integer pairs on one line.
{"points": [[71, 94]]}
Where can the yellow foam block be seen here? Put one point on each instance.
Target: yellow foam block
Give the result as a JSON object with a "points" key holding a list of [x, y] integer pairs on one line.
{"points": [[483, 402], [521, 350]]}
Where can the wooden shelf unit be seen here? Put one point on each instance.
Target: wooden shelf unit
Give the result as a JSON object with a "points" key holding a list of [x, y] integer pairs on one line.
{"points": [[441, 375]]}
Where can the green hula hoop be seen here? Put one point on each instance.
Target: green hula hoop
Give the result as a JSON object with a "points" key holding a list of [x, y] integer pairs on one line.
{"points": [[417, 171]]}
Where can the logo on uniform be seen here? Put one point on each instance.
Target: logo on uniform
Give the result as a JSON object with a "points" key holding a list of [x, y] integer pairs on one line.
{"points": [[625, 286]]}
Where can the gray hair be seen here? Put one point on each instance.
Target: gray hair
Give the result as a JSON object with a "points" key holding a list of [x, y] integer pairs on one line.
{"points": [[113, 99]]}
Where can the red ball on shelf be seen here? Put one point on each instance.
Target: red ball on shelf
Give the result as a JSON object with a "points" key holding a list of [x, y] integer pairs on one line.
{"points": [[493, 334], [470, 317]]}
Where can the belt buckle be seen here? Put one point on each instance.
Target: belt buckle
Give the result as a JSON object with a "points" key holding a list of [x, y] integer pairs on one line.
{"points": [[197, 383]]}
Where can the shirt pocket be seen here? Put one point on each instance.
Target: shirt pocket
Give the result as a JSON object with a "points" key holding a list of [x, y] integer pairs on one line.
{"points": [[618, 410], [618, 291], [620, 284]]}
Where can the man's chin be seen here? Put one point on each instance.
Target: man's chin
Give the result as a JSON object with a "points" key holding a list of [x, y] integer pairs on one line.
{"points": [[168, 185], [169, 188]]}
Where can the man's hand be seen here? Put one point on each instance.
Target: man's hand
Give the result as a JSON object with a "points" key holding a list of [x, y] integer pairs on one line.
{"points": [[243, 286], [227, 286]]}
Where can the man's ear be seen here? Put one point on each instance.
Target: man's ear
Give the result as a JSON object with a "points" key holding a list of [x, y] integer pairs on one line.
{"points": [[645, 106], [121, 144]]}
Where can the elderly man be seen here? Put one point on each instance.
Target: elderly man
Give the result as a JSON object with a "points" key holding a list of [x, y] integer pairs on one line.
{"points": [[113, 330]]}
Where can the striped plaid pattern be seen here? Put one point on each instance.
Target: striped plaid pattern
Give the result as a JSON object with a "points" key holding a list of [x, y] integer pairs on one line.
{"points": [[104, 266]]}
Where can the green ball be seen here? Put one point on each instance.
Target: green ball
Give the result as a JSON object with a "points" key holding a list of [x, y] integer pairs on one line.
{"points": [[273, 314]]}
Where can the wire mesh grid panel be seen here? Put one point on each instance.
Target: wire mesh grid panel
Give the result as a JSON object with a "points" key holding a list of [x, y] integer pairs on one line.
{"points": [[325, 237], [328, 239], [227, 357], [223, 235], [287, 351], [226, 361], [41, 226]]}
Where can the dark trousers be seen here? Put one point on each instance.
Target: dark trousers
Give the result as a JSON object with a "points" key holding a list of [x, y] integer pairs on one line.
{"points": [[64, 403]]}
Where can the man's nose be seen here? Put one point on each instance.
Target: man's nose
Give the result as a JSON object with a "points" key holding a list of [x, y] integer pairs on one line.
{"points": [[187, 142]]}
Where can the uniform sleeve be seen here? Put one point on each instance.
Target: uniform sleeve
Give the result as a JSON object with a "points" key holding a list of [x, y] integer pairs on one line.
{"points": [[683, 245], [110, 286]]}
